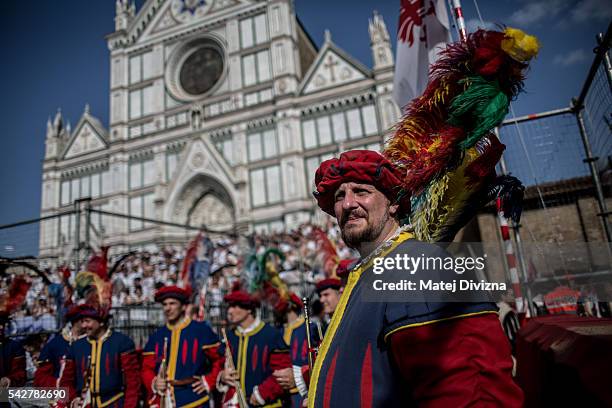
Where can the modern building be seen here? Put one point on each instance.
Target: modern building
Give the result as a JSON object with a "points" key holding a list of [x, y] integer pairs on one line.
{"points": [[220, 112]]}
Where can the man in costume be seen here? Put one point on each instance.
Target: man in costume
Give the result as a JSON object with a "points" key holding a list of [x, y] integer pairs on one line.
{"points": [[294, 334], [12, 358], [329, 294], [191, 352], [52, 357], [112, 377], [257, 350], [442, 158]]}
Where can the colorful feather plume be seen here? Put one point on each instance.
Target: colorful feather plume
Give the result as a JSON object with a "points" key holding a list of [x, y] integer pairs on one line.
{"points": [[444, 142], [326, 255], [14, 297]]}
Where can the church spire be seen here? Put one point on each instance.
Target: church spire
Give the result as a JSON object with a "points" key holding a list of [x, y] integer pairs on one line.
{"points": [[50, 132], [124, 14], [58, 122], [380, 42]]}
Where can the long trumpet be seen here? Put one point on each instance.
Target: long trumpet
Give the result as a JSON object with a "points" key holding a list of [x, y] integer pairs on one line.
{"points": [[312, 351], [86, 391], [229, 364]]}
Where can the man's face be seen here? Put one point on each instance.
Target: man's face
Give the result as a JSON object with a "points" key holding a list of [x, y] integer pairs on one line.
{"points": [[362, 212], [329, 298], [91, 326], [78, 328], [236, 314], [173, 309]]}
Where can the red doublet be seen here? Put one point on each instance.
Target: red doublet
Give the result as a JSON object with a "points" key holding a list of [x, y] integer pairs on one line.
{"points": [[43, 376], [457, 363]]}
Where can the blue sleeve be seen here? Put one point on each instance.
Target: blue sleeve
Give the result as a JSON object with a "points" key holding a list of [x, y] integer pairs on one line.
{"points": [[46, 354], [17, 349], [208, 336], [126, 344], [150, 346], [278, 342]]}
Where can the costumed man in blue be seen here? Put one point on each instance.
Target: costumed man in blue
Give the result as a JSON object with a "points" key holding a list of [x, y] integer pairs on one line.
{"points": [[101, 368], [257, 349], [182, 360], [12, 354], [52, 357], [397, 348], [12, 358], [295, 336]]}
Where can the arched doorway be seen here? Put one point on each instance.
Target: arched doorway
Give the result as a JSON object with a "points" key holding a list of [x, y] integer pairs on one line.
{"points": [[203, 201]]}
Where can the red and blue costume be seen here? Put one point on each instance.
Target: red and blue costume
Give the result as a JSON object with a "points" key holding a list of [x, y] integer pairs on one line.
{"points": [[12, 362], [193, 352], [401, 354], [113, 372], [295, 336], [257, 351], [52, 357]]}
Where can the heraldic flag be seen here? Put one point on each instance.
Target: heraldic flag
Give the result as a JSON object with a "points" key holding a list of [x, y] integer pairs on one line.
{"points": [[423, 30]]}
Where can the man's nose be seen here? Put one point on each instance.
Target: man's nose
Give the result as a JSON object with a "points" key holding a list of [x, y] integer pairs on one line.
{"points": [[348, 201]]}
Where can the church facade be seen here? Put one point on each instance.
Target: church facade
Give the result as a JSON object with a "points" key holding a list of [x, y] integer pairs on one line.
{"points": [[220, 112]]}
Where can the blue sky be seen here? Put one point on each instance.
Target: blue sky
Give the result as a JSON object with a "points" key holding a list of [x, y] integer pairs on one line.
{"points": [[55, 56]]}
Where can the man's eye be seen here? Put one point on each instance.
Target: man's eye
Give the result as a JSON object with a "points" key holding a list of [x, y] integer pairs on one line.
{"points": [[340, 197]]}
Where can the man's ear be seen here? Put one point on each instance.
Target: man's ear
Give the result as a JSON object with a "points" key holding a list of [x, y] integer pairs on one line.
{"points": [[393, 209]]}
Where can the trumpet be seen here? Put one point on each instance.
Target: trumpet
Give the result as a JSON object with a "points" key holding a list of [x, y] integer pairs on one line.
{"points": [[312, 351], [229, 363], [164, 400]]}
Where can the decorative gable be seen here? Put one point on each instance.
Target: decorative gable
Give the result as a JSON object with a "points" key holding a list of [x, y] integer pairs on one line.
{"points": [[331, 68], [89, 136], [159, 16]]}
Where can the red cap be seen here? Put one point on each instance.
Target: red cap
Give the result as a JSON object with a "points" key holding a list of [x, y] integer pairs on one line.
{"points": [[173, 292], [359, 166], [293, 298], [283, 305], [76, 312], [86, 310], [329, 283], [242, 299]]}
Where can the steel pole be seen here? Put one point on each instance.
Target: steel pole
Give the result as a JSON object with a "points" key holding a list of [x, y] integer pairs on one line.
{"points": [[606, 58], [591, 161]]}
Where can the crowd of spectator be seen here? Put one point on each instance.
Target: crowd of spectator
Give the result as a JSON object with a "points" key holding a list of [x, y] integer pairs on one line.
{"points": [[221, 260]]}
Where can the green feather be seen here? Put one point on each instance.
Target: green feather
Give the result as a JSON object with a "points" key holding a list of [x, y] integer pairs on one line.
{"points": [[478, 109]]}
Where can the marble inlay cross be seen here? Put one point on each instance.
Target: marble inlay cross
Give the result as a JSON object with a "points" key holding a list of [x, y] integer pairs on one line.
{"points": [[330, 65]]}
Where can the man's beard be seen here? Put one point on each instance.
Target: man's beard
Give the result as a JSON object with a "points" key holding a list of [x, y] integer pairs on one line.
{"points": [[353, 237]]}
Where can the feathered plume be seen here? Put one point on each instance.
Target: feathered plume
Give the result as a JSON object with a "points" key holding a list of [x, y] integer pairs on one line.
{"points": [[444, 142], [93, 286], [14, 297], [326, 255]]}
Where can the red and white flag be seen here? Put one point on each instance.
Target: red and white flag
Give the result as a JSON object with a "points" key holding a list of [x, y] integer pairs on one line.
{"points": [[423, 30]]}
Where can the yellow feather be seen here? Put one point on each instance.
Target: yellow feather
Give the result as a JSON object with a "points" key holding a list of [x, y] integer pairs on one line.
{"points": [[519, 45]]}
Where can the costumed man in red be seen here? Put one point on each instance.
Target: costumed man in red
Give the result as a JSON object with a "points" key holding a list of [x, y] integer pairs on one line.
{"points": [[101, 368], [52, 357], [182, 360], [329, 295], [399, 348], [257, 350], [12, 353], [424, 358], [295, 335], [12, 358]]}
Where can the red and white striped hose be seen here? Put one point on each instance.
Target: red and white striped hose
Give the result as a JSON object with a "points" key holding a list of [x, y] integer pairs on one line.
{"points": [[459, 19], [510, 258]]}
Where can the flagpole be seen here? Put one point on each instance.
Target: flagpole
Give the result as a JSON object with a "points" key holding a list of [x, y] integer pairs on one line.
{"points": [[459, 20]]}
